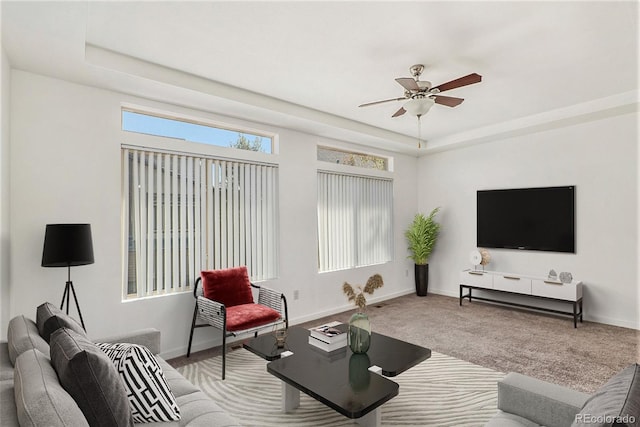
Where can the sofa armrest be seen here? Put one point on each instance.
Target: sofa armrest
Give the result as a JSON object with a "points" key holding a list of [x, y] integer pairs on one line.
{"points": [[148, 337], [539, 401]]}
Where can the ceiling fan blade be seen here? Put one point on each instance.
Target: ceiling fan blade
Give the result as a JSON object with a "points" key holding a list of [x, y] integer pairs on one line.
{"points": [[462, 81], [380, 102], [400, 112], [449, 101], [408, 83]]}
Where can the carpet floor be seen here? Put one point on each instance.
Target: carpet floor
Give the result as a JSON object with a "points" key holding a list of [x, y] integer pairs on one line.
{"points": [[442, 391], [507, 339]]}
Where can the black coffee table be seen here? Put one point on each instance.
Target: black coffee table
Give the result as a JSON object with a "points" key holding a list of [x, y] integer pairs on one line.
{"points": [[355, 385]]}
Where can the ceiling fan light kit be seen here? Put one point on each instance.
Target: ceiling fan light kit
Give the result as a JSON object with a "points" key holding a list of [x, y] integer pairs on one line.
{"points": [[421, 96], [418, 106]]}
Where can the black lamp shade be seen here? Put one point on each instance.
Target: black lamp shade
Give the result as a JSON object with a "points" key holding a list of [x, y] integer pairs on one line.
{"points": [[67, 245]]}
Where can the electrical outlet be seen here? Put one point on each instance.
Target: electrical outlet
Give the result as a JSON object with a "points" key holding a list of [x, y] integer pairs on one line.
{"points": [[296, 294]]}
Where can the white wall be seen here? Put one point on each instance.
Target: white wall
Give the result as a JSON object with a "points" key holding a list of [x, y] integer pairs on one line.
{"points": [[599, 157], [66, 139], [5, 85]]}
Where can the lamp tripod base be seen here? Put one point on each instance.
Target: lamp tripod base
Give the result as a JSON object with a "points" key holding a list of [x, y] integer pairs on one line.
{"points": [[68, 290]]}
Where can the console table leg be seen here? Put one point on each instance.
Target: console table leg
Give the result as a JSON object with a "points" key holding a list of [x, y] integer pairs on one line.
{"points": [[290, 397], [460, 295], [575, 315], [581, 310], [372, 419]]}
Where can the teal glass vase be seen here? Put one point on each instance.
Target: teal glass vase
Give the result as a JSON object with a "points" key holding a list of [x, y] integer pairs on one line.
{"points": [[359, 333]]}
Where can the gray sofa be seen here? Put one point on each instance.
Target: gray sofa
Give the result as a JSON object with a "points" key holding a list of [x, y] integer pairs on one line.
{"points": [[528, 402], [31, 394]]}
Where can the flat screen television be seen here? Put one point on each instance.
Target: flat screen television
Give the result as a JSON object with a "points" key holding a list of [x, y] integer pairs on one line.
{"points": [[538, 219]]}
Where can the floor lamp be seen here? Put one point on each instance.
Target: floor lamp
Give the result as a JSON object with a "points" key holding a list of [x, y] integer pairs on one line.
{"points": [[67, 245]]}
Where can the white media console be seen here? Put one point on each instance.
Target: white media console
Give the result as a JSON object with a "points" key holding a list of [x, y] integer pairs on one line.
{"points": [[539, 287]]}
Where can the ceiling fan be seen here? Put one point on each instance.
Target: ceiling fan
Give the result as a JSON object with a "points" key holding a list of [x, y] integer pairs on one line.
{"points": [[421, 96]]}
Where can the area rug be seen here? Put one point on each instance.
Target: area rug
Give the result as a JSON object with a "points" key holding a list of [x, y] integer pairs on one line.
{"points": [[441, 391]]}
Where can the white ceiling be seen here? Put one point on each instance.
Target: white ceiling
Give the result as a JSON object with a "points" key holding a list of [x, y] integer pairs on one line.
{"points": [[308, 65]]}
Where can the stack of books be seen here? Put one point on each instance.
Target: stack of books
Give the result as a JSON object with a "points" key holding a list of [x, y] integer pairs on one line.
{"points": [[327, 337]]}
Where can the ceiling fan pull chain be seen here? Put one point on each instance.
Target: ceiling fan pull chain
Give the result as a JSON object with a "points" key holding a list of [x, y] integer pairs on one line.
{"points": [[419, 132]]}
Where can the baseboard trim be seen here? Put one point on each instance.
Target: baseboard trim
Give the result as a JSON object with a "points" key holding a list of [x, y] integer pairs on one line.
{"points": [[347, 307], [614, 322], [204, 345], [444, 292]]}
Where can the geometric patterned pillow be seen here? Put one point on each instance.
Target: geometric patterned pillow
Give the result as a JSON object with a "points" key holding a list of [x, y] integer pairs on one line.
{"points": [[150, 397]]}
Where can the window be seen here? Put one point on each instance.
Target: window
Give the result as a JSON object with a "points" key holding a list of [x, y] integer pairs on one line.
{"points": [[354, 221], [195, 132], [186, 213], [352, 158]]}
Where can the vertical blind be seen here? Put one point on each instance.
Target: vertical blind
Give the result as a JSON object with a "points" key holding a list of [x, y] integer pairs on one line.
{"points": [[355, 221], [188, 213]]}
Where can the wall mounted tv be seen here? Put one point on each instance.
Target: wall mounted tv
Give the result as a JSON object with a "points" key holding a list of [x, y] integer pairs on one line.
{"points": [[539, 219]]}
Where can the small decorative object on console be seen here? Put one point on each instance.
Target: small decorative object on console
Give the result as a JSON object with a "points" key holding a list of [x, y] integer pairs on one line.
{"points": [[475, 257], [553, 275], [480, 256], [566, 277]]}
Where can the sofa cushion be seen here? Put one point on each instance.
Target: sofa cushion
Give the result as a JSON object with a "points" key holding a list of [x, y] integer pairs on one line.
{"points": [[179, 385], [229, 286], [6, 367], [150, 397], [22, 335], [90, 378], [50, 318], [199, 410], [8, 415], [39, 398], [505, 419], [615, 403]]}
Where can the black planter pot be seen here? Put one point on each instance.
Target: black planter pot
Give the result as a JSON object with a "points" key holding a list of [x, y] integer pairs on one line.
{"points": [[422, 279]]}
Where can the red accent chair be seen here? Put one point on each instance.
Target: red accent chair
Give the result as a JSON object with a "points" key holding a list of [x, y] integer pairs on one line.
{"points": [[225, 301]]}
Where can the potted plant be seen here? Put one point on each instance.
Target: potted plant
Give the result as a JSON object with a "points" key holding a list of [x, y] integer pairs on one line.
{"points": [[422, 235]]}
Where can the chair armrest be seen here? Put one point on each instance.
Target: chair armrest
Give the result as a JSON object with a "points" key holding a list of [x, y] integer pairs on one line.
{"points": [[273, 299], [539, 401], [211, 312], [198, 291], [149, 337]]}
